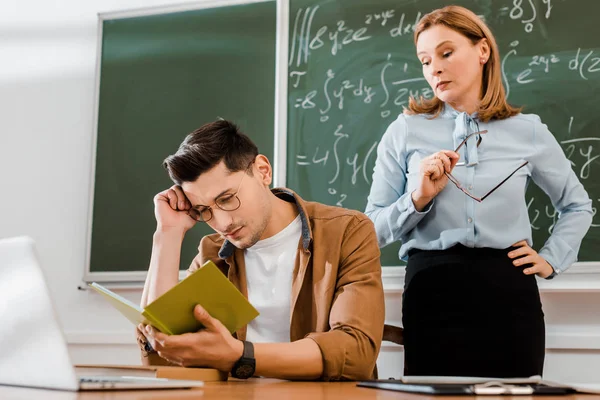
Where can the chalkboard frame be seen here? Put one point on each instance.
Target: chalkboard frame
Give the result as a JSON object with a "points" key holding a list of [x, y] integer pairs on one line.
{"points": [[393, 273], [133, 278]]}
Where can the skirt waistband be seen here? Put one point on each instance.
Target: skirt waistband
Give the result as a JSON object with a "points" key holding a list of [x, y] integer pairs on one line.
{"points": [[461, 250], [465, 262]]}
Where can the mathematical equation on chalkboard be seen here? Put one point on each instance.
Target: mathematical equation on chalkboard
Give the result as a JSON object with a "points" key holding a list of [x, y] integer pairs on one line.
{"points": [[323, 94]]}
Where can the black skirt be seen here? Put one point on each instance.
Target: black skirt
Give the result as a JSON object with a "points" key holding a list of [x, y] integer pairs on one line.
{"points": [[470, 312]]}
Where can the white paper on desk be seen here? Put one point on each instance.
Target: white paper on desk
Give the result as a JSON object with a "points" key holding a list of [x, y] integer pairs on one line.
{"points": [[467, 380], [593, 388], [587, 387]]}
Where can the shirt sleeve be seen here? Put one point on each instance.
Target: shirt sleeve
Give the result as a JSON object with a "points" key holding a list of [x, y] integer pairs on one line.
{"points": [[357, 315], [552, 172], [389, 206]]}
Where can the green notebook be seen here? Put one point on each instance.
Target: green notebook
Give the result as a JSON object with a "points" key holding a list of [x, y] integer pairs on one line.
{"points": [[173, 312]]}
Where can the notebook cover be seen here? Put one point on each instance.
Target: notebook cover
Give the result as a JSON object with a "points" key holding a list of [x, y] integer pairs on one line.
{"points": [[173, 312], [131, 311], [211, 289], [153, 371]]}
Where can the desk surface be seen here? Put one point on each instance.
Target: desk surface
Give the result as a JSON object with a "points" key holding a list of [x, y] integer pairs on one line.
{"points": [[254, 389]]}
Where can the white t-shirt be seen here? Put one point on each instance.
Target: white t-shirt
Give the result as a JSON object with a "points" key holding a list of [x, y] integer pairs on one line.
{"points": [[269, 269]]}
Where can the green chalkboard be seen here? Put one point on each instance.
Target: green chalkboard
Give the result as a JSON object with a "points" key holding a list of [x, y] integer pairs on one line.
{"points": [[352, 66], [161, 77]]}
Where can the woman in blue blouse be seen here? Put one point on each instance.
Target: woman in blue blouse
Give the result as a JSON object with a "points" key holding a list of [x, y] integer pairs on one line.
{"points": [[471, 305]]}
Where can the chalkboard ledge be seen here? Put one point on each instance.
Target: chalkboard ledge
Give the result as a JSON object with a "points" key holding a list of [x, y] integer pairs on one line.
{"points": [[581, 277], [119, 280]]}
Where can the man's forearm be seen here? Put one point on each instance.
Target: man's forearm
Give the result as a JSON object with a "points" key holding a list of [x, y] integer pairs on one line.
{"points": [[297, 360], [163, 272]]}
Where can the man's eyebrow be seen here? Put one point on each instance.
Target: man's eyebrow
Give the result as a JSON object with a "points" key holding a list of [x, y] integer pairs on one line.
{"points": [[436, 47], [215, 199]]}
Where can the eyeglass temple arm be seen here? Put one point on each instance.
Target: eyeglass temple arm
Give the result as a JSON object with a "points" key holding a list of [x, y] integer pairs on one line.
{"points": [[462, 189], [468, 137], [505, 179]]}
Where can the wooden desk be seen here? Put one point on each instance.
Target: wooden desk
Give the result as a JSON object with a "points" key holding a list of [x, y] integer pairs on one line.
{"points": [[255, 389]]}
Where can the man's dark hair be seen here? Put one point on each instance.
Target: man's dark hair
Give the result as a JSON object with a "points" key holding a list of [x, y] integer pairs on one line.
{"points": [[205, 147]]}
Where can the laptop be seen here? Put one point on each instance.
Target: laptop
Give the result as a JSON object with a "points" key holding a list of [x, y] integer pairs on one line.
{"points": [[34, 350]]}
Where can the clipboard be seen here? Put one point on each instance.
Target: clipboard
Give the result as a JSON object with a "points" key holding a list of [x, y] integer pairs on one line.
{"points": [[492, 388]]}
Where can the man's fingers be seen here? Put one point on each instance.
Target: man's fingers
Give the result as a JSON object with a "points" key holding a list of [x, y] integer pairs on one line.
{"points": [[175, 197], [158, 338], [172, 196], [205, 319], [142, 329], [182, 201]]}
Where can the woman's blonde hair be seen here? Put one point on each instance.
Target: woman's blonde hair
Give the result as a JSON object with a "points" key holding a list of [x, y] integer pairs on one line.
{"points": [[493, 102]]}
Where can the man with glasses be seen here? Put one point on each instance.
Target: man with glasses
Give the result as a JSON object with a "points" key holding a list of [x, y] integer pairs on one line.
{"points": [[311, 270]]}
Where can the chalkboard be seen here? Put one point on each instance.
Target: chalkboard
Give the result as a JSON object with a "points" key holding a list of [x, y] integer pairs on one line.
{"points": [[352, 67], [162, 75]]}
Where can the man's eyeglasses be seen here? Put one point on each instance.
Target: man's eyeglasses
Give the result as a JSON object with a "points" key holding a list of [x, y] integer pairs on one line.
{"points": [[227, 202], [465, 191]]}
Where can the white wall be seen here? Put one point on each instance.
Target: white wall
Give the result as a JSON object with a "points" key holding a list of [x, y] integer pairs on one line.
{"points": [[47, 67], [47, 80]]}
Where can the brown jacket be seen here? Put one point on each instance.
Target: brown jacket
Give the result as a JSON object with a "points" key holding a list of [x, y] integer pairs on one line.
{"points": [[337, 295]]}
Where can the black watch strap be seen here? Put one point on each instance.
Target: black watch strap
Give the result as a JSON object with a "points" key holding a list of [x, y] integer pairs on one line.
{"points": [[553, 274], [244, 367], [248, 350]]}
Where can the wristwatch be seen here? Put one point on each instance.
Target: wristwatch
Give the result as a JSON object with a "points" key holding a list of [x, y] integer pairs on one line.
{"points": [[553, 274], [245, 366], [145, 346]]}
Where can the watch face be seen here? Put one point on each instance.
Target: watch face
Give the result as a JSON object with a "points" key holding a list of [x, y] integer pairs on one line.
{"points": [[244, 371]]}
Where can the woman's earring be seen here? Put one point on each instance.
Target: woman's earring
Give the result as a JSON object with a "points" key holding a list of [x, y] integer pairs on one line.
{"points": [[483, 60]]}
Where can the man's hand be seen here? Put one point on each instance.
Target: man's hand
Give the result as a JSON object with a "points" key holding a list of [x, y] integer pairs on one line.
{"points": [[212, 346], [172, 222], [537, 264], [170, 210]]}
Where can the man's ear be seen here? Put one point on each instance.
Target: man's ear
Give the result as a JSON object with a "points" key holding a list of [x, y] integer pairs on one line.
{"points": [[263, 167]]}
